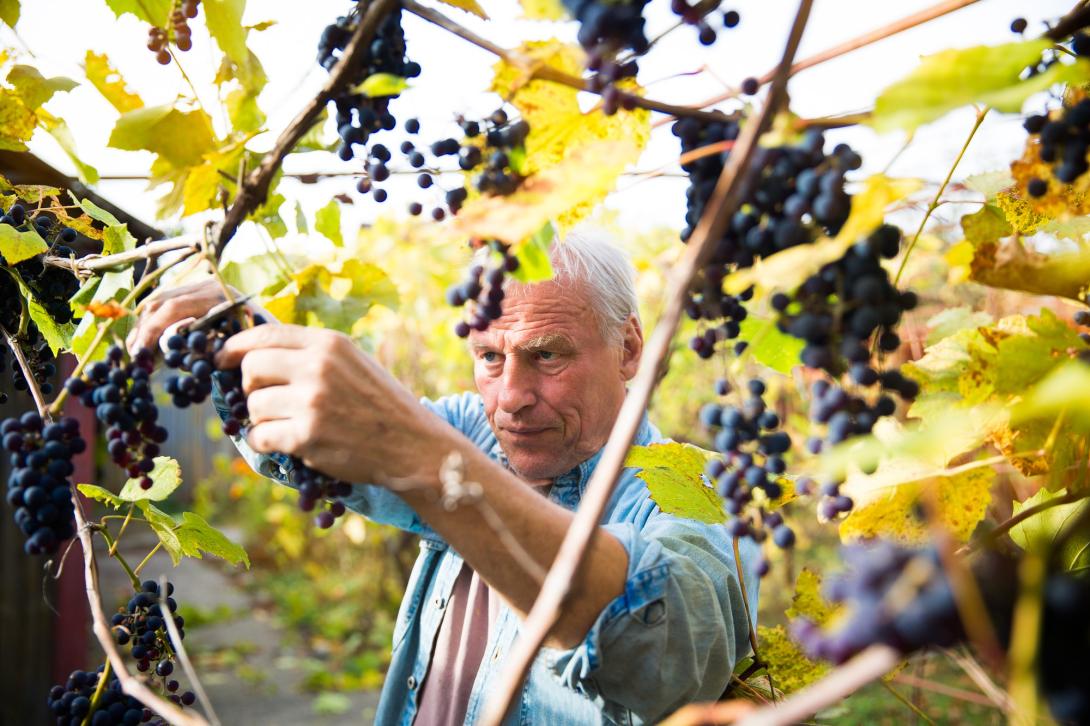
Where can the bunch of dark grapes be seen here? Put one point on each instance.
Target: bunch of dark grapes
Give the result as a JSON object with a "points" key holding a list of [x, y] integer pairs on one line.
{"points": [[902, 598], [1082, 318], [359, 115], [488, 145], [159, 38], [752, 449], [607, 30], [38, 487], [483, 290], [797, 194], [700, 17], [71, 703], [1064, 670], [40, 360], [194, 352], [838, 312], [140, 624], [120, 394], [1064, 141]]}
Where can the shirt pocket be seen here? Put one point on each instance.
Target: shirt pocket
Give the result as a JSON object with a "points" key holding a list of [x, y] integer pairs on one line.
{"points": [[422, 574]]}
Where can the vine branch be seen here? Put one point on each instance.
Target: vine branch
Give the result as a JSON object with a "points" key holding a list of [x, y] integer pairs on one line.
{"points": [[100, 263], [28, 374], [724, 201], [255, 188], [180, 653]]}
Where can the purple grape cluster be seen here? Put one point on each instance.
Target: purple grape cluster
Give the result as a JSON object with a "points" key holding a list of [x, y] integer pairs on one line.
{"points": [[483, 291], [39, 487], [192, 354], [71, 703], [140, 625], [119, 391]]}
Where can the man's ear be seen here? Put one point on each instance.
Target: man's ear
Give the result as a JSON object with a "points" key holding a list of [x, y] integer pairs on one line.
{"points": [[632, 349]]}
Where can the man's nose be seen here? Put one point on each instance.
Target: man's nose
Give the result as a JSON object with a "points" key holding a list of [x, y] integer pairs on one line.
{"points": [[517, 387]]}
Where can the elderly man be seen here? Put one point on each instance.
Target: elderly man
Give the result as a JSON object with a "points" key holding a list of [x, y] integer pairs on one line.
{"points": [[656, 618]]}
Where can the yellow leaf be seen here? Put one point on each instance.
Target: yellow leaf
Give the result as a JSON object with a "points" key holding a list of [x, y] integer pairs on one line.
{"points": [[1019, 213], [887, 503], [589, 172], [200, 188], [17, 122], [470, 6], [109, 83], [790, 668], [543, 10], [807, 601]]}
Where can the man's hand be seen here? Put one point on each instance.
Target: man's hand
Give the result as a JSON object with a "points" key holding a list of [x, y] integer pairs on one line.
{"points": [[173, 305], [313, 394]]}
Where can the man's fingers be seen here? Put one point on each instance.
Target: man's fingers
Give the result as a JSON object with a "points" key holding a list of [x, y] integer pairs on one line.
{"points": [[268, 336], [272, 403], [264, 367], [282, 435], [162, 311]]}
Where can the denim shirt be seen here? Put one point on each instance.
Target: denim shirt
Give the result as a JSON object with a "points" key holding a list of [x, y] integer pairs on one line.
{"points": [[672, 637]]}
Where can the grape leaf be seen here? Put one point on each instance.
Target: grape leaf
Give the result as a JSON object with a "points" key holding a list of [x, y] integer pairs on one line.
{"points": [[327, 222], [769, 346], [790, 668], [57, 335], [255, 274], [268, 216], [16, 246], [243, 110], [17, 122], [165, 478], [378, 85], [337, 299], [116, 237], [164, 527], [887, 503], [155, 12], [1043, 530], [9, 12], [807, 601], [952, 320], [674, 474], [543, 10], [989, 183], [93, 491], [108, 81], [533, 256], [181, 138], [200, 189], [195, 536], [590, 172], [987, 75], [1064, 392], [224, 20], [470, 6], [60, 132], [35, 89], [1072, 228], [115, 285], [987, 224]]}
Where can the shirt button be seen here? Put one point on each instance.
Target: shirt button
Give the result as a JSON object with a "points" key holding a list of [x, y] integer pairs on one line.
{"points": [[440, 603], [411, 682], [495, 655]]}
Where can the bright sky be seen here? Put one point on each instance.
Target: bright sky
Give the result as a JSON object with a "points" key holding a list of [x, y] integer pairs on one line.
{"points": [[455, 74]]}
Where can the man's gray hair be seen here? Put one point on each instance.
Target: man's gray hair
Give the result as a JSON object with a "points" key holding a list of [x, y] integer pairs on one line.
{"points": [[589, 255]]}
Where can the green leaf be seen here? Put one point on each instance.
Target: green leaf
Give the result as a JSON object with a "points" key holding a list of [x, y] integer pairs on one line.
{"points": [[164, 527], [268, 216], [674, 474], [334, 299], [986, 225], [243, 110], [1043, 530], [180, 137], [224, 21], [155, 12], [769, 346], [34, 88], [165, 478], [1064, 392], [533, 256], [951, 320], [255, 274], [116, 237], [60, 132], [327, 222], [197, 536], [9, 12], [115, 285], [378, 85], [986, 75], [16, 246], [1072, 228], [108, 81], [94, 491], [300, 219], [990, 183], [58, 336]]}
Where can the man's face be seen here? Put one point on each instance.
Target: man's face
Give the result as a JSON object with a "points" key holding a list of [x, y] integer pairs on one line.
{"points": [[551, 385]]}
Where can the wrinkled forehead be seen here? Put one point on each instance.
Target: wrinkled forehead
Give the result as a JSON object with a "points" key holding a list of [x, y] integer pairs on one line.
{"points": [[544, 315]]}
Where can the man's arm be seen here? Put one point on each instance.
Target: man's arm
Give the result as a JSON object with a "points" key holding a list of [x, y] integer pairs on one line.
{"points": [[313, 394]]}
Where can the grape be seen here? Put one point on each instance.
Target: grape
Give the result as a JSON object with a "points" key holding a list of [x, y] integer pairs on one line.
{"points": [[1019, 25], [158, 38], [120, 395], [39, 486], [72, 702], [605, 31]]}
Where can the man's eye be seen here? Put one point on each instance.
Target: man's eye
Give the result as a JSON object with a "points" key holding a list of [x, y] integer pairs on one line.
{"points": [[546, 355], [490, 356]]}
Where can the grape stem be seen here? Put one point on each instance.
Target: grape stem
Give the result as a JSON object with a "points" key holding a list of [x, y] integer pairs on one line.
{"points": [[547, 73], [749, 616], [975, 671], [256, 185], [97, 263], [182, 656], [124, 525], [98, 692], [908, 704], [28, 374], [158, 546], [724, 200], [1006, 526], [117, 556], [980, 114]]}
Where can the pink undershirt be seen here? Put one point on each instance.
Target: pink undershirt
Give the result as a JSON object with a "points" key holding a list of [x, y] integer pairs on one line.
{"points": [[459, 648]]}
